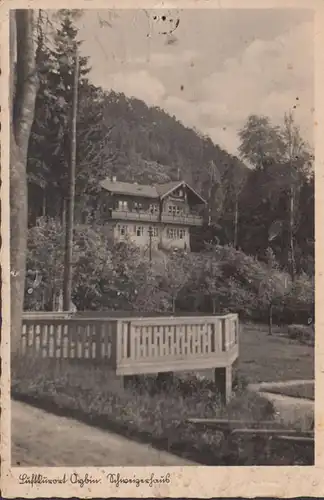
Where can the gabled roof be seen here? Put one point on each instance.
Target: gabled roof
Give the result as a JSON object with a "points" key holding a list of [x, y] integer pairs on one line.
{"points": [[129, 188], [157, 191], [166, 189]]}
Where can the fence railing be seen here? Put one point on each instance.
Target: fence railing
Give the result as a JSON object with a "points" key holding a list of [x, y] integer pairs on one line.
{"points": [[134, 215], [60, 335], [181, 343], [134, 345], [190, 219]]}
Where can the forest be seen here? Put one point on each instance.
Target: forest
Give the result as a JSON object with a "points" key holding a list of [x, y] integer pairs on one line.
{"points": [[260, 203]]}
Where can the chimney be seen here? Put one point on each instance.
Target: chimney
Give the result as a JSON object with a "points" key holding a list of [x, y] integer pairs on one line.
{"points": [[114, 178]]}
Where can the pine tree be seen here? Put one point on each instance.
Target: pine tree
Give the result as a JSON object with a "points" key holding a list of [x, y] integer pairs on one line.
{"points": [[49, 148]]}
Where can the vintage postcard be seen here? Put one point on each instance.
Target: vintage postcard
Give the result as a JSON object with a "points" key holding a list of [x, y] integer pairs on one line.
{"points": [[162, 280]]}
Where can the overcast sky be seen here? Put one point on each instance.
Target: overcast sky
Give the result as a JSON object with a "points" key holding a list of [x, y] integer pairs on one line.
{"points": [[222, 65]]}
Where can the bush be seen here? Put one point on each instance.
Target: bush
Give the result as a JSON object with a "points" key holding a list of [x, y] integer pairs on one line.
{"points": [[108, 276], [303, 333]]}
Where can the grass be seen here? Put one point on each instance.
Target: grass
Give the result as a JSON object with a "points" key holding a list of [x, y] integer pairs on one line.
{"points": [[275, 358], [143, 412]]}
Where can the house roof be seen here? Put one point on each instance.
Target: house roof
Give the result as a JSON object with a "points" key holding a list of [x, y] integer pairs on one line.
{"points": [[129, 188], [155, 191], [165, 189]]}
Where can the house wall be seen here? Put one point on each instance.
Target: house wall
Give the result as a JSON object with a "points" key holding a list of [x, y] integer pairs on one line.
{"points": [[131, 203], [176, 242], [128, 231]]}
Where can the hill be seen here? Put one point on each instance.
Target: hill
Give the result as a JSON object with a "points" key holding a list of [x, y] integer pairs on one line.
{"points": [[149, 145]]}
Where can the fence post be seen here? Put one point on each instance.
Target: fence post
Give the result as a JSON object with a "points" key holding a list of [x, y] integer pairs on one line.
{"points": [[116, 344], [223, 382], [98, 342]]}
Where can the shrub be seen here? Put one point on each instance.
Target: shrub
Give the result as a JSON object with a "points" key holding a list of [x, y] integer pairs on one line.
{"points": [[108, 276], [303, 333]]}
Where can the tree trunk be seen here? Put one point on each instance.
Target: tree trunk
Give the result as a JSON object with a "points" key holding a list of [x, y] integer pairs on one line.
{"points": [[44, 203], [23, 96], [63, 212], [292, 260], [235, 223], [270, 318]]}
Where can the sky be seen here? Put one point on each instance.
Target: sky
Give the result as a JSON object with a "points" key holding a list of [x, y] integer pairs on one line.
{"points": [[212, 69]]}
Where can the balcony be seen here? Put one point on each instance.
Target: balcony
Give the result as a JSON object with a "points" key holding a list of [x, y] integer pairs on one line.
{"points": [[134, 215], [187, 219], [142, 216]]}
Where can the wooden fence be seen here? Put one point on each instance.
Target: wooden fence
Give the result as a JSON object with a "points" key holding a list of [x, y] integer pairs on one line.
{"points": [[147, 345], [134, 345]]}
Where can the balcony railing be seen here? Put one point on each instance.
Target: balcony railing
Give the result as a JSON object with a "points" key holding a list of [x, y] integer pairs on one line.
{"points": [[190, 219], [135, 215]]}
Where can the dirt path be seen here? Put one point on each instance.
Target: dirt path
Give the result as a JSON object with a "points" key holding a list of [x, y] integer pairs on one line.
{"points": [[42, 439], [290, 410]]}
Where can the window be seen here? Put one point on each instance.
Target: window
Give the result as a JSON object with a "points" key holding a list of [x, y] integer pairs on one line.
{"points": [[154, 231], [138, 206], [122, 205], [182, 233], [171, 233], [139, 230], [122, 230], [174, 210], [153, 209], [176, 234]]}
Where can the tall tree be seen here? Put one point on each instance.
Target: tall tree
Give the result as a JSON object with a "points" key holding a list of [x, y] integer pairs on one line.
{"points": [[270, 198], [212, 186], [233, 181], [23, 90], [49, 149], [261, 142], [296, 156]]}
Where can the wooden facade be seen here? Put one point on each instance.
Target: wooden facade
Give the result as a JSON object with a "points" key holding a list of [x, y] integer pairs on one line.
{"points": [[132, 346], [136, 212]]}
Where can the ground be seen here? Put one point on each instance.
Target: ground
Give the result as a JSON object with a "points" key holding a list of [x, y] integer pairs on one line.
{"points": [[265, 358], [43, 439]]}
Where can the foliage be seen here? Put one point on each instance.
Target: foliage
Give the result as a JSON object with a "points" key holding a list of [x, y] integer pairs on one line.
{"points": [[49, 147], [44, 256], [261, 143], [110, 276], [303, 333], [106, 275], [274, 193], [174, 276], [302, 293]]}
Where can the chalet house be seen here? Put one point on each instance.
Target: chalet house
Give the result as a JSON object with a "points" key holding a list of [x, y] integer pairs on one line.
{"points": [[159, 215]]}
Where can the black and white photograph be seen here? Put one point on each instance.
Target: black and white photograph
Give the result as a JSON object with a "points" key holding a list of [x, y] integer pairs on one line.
{"points": [[162, 239]]}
